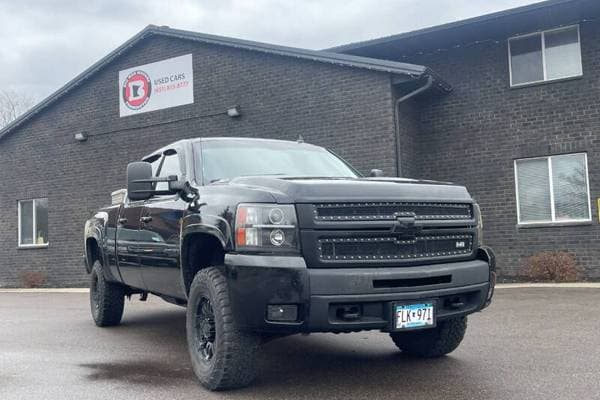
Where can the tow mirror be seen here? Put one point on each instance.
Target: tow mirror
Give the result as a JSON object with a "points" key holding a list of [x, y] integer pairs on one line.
{"points": [[376, 173], [139, 180], [141, 185]]}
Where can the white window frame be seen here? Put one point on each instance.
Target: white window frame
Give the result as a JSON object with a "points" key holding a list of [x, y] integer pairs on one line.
{"points": [[34, 225], [554, 221], [543, 40]]}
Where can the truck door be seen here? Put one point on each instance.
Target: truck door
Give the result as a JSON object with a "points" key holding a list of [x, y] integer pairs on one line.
{"points": [[128, 243], [160, 233]]}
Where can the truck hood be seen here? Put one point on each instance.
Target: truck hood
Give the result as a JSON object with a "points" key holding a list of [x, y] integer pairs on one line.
{"points": [[312, 190]]}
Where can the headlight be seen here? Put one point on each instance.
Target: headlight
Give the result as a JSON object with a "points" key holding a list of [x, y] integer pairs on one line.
{"points": [[479, 224], [266, 227]]}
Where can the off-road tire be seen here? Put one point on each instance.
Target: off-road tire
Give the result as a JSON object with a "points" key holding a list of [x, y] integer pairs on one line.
{"points": [[107, 299], [434, 342], [231, 364]]}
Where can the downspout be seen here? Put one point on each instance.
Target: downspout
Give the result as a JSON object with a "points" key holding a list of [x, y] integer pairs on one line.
{"points": [[397, 103]]}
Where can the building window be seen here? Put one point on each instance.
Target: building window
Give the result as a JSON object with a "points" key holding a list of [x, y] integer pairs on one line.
{"points": [[553, 189], [545, 56], [33, 223]]}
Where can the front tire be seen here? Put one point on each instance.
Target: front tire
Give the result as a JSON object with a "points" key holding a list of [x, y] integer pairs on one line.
{"points": [[222, 356], [107, 299], [434, 342]]}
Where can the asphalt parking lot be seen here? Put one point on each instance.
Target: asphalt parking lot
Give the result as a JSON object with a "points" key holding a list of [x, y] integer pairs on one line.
{"points": [[531, 344]]}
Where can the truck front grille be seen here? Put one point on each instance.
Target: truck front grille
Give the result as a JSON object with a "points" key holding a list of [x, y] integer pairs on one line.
{"points": [[382, 211], [378, 248]]}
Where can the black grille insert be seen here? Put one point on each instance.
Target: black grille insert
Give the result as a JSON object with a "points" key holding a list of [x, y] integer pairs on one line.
{"points": [[382, 211], [393, 248]]}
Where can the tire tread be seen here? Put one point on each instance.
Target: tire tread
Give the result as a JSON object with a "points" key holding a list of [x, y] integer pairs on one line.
{"points": [[234, 365], [112, 301]]}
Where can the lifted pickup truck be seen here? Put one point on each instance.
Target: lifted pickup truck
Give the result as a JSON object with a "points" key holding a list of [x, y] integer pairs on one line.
{"points": [[264, 238]]}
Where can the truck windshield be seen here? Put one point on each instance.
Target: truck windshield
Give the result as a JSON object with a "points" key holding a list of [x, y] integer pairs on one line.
{"points": [[234, 158]]}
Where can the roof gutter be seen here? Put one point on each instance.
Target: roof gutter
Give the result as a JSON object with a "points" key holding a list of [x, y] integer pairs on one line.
{"points": [[451, 25], [397, 103], [340, 59]]}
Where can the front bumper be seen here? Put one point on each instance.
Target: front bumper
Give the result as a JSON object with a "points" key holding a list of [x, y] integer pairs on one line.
{"points": [[350, 299]]}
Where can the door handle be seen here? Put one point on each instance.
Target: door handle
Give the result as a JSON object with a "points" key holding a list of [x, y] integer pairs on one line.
{"points": [[146, 219], [122, 220]]}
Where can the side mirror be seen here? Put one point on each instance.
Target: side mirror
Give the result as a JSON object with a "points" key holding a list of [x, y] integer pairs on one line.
{"points": [[139, 180], [376, 173]]}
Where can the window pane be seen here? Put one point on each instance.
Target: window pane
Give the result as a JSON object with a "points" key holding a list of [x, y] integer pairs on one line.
{"points": [[170, 167], [569, 179], [41, 221], [534, 190], [26, 222], [526, 59], [563, 56]]}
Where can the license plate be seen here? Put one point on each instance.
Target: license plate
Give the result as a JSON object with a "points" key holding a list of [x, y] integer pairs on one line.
{"points": [[413, 316]]}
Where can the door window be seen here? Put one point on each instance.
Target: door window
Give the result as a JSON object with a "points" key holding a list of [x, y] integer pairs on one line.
{"points": [[170, 166]]}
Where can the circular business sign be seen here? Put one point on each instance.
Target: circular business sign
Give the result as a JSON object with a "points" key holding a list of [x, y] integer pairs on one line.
{"points": [[137, 89]]}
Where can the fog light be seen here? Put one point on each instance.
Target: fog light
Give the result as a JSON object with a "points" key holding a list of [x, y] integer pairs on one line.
{"points": [[282, 313]]}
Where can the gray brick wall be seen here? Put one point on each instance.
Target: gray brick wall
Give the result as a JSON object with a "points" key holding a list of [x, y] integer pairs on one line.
{"points": [[409, 138], [348, 110], [472, 136]]}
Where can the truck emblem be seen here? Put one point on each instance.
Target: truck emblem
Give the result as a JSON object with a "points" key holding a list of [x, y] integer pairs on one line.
{"points": [[405, 225]]}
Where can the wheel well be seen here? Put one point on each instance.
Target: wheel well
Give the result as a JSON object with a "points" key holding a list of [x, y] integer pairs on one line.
{"points": [[199, 251], [92, 253]]}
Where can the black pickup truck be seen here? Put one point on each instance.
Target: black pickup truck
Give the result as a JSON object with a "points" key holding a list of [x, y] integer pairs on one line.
{"points": [[265, 238]]}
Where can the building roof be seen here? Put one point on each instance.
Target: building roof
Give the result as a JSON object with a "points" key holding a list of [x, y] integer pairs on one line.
{"points": [[392, 67], [449, 26]]}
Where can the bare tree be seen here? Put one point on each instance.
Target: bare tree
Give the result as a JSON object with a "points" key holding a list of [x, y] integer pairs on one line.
{"points": [[13, 104]]}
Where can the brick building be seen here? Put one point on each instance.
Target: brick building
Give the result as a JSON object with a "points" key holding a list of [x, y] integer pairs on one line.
{"points": [[520, 127], [516, 124]]}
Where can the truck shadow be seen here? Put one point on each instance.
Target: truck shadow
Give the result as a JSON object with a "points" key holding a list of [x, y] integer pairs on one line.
{"points": [[358, 365], [318, 366]]}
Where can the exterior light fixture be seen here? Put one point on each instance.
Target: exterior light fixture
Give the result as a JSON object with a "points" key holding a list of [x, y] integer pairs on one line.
{"points": [[81, 136], [234, 112]]}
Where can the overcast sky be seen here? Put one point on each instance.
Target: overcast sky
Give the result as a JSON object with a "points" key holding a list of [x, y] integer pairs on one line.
{"points": [[45, 43]]}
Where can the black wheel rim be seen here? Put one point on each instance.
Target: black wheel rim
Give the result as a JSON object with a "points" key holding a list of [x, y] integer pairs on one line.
{"points": [[205, 330], [94, 291]]}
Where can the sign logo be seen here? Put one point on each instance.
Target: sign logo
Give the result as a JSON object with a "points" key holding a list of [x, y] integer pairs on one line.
{"points": [[156, 86], [136, 90]]}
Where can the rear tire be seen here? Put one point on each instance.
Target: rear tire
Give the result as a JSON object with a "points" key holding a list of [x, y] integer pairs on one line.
{"points": [[107, 299], [434, 342], [222, 356]]}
